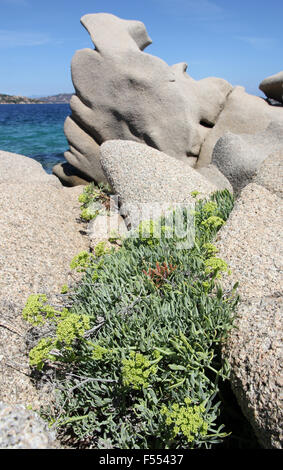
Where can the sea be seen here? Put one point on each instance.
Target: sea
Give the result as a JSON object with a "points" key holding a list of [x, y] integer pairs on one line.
{"points": [[35, 130]]}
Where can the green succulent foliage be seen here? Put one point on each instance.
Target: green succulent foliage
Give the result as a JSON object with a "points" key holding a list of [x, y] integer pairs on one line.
{"points": [[146, 369], [148, 231], [90, 197]]}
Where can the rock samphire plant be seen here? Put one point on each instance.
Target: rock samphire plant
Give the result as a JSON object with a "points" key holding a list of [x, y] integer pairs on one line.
{"points": [[138, 350]]}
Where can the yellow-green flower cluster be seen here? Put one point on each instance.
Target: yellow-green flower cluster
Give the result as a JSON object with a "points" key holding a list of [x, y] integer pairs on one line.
{"points": [[87, 214], [41, 353], [36, 311], [101, 249], [136, 371], [214, 264], [72, 327], [213, 222], [186, 419], [81, 261], [209, 249], [209, 208]]}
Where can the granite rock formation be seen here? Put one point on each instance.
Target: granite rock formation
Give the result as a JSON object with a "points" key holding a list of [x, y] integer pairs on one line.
{"points": [[239, 156], [251, 244], [69, 175], [148, 180], [242, 114], [272, 87], [15, 168], [23, 429], [270, 174], [123, 93], [39, 235]]}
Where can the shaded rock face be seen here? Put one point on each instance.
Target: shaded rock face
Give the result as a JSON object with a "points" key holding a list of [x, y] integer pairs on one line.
{"points": [[242, 114], [69, 175], [240, 156], [124, 93], [250, 242], [272, 87]]}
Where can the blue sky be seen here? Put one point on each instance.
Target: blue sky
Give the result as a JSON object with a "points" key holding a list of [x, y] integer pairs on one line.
{"points": [[239, 40]]}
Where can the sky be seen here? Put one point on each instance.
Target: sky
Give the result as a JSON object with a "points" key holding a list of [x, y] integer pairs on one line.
{"points": [[238, 40]]}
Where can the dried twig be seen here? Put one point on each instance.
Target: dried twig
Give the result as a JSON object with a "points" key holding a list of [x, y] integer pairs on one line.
{"points": [[10, 327]]}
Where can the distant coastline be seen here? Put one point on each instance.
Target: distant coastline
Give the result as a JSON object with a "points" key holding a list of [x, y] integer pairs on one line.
{"points": [[62, 98]]}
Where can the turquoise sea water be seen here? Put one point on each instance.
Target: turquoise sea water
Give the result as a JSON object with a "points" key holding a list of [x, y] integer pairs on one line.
{"points": [[35, 130]]}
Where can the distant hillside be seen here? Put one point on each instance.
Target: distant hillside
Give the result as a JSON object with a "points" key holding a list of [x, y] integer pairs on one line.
{"points": [[61, 98], [11, 99]]}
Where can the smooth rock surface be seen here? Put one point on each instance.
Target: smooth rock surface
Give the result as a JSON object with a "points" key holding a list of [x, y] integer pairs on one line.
{"points": [[272, 87], [251, 244], [238, 157], [39, 236], [16, 168], [146, 179], [23, 429], [270, 174], [242, 114], [124, 93]]}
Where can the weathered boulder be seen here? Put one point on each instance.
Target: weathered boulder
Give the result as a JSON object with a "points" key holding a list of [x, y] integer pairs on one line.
{"points": [[272, 87], [238, 157], [148, 180], [251, 243], [242, 114], [23, 429], [69, 175], [124, 93], [39, 235], [270, 174], [16, 168]]}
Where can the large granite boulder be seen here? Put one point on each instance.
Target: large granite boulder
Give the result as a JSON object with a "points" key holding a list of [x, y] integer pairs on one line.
{"points": [[23, 429], [124, 93], [251, 243], [270, 174], [16, 168], [242, 114], [239, 156], [272, 87], [149, 181], [40, 233]]}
